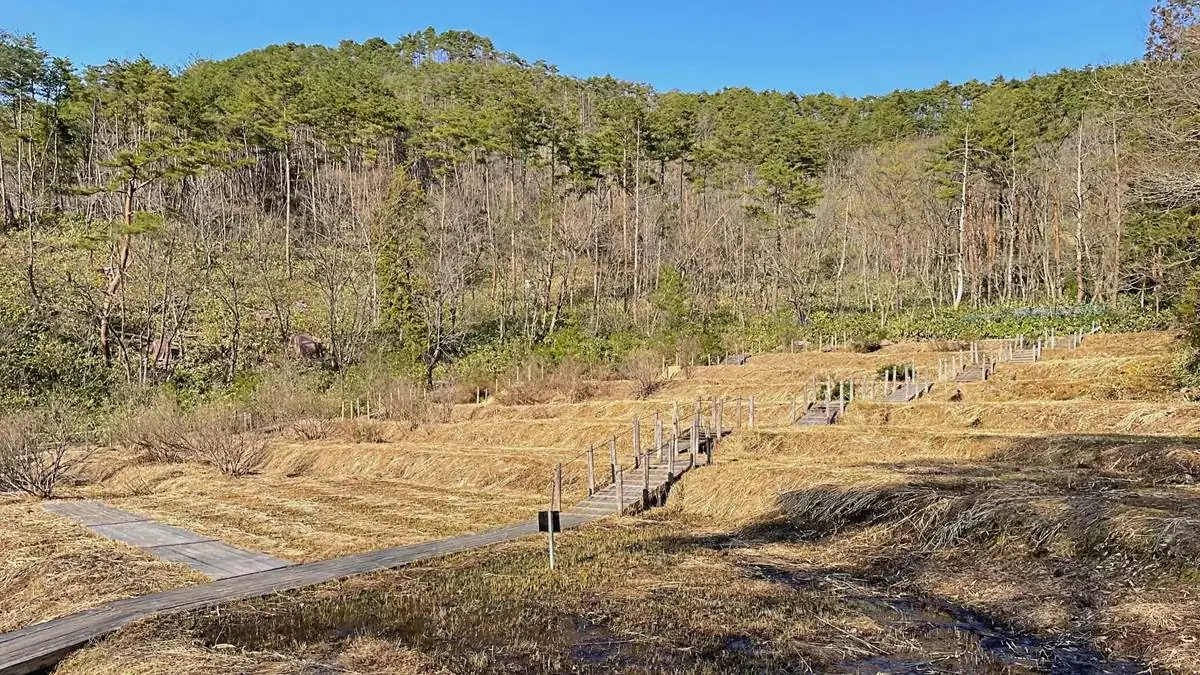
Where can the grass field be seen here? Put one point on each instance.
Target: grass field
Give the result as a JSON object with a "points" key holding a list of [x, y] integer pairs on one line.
{"points": [[1046, 518]]}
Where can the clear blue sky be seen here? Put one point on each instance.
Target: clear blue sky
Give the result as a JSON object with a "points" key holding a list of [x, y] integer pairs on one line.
{"points": [[864, 47]]}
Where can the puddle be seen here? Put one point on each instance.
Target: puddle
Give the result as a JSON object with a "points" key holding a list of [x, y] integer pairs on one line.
{"points": [[937, 624], [593, 645]]}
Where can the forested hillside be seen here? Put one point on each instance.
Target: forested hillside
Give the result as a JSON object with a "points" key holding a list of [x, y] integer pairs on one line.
{"points": [[408, 203]]}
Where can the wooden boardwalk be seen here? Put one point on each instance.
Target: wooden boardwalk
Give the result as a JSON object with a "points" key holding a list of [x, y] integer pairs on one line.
{"points": [[210, 557], [975, 372], [647, 484], [43, 645], [908, 391], [821, 413]]}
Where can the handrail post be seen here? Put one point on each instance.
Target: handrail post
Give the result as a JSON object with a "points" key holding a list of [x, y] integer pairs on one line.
{"points": [[646, 481], [637, 439], [556, 501], [675, 416], [591, 469], [750, 409], [671, 457], [695, 442], [718, 404], [658, 436], [612, 456], [620, 491]]}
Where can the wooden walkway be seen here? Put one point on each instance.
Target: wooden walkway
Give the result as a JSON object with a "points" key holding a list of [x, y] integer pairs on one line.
{"points": [[908, 391], [976, 372], [43, 645], [210, 557], [647, 485], [821, 413]]}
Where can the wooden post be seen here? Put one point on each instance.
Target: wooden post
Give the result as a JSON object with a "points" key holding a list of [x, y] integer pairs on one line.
{"points": [[612, 456], [556, 501], [658, 436], [828, 393], [620, 491], [646, 481], [695, 441], [675, 416], [671, 456], [739, 412], [750, 409], [637, 438], [793, 413], [717, 406], [591, 469]]}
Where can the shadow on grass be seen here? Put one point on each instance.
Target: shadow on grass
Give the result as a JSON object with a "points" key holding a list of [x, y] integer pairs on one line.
{"points": [[1100, 511]]}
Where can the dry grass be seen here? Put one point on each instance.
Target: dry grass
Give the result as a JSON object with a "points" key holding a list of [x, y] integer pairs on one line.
{"points": [[314, 503], [1039, 509], [642, 598]]}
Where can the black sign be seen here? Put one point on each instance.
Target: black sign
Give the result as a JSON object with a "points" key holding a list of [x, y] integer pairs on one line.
{"points": [[548, 519]]}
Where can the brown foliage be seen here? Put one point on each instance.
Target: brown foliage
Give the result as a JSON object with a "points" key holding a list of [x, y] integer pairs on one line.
{"points": [[568, 382], [645, 369], [34, 457]]}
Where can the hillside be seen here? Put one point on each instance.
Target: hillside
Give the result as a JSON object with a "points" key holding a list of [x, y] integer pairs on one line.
{"points": [[413, 204]]}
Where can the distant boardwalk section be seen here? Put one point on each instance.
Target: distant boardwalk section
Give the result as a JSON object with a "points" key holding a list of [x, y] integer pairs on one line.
{"points": [[206, 555]]}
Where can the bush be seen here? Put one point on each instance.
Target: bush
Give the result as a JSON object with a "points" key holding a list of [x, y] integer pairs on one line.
{"points": [[400, 400], [865, 346], [216, 439], [34, 455], [569, 381], [313, 429], [214, 436], [646, 371], [285, 395], [840, 391], [159, 431], [365, 431], [894, 371]]}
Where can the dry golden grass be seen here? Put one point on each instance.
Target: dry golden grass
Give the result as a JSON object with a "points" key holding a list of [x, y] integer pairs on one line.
{"points": [[1055, 502], [633, 598]]}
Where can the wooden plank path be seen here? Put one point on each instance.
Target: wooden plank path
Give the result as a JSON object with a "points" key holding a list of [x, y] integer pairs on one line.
{"points": [[975, 372], [649, 481], [908, 391], [207, 555], [43, 645], [821, 413]]}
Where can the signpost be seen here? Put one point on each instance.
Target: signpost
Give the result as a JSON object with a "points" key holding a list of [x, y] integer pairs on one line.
{"points": [[549, 522]]}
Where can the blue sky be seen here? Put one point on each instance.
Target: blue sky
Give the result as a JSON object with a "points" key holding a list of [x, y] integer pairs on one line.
{"points": [[855, 48]]}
